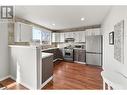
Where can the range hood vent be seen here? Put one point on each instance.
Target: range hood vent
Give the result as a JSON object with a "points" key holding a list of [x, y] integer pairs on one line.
{"points": [[69, 40]]}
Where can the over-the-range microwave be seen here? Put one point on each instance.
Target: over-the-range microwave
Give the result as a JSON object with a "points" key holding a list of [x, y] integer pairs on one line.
{"points": [[80, 46]]}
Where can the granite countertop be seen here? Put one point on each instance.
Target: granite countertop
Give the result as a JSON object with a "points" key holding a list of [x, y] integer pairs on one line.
{"points": [[44, 55], [49, 49]]}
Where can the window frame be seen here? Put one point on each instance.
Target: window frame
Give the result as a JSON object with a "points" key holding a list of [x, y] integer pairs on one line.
{"points": [[42, 31]]}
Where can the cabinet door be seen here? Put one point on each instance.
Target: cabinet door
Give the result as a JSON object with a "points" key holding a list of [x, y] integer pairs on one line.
{"points": [[76, 54], [83, 36], [81, 57], [80, 36], [76, 36], [97, 31], [67, 35], [47, 68], [71, 34], [62, 39], [26, 33], [55, 37], [60, 53], [88, 32]]}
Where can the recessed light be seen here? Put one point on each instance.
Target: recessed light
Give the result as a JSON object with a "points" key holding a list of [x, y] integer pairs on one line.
{"points": [[82, 19], [53, 24]]}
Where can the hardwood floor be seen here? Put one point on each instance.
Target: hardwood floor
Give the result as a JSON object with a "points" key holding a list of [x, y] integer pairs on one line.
{"points": [[10, 84], [69, 76], [75, 76]]}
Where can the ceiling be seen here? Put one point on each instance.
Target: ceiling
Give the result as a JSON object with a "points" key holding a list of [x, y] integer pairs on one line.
{"points": [[63, 16]]}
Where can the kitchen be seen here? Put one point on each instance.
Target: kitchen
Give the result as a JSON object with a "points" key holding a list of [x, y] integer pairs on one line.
{"points": [[55, 50], [68, 50], [43, 49]]}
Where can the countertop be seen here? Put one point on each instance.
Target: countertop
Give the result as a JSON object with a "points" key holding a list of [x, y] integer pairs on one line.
{"points": [[49, 49], [21, 46], [44, 55], [79, 49]]}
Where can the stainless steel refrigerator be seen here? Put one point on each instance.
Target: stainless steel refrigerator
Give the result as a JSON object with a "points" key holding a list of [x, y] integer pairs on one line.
{"points": [[94, 50]]}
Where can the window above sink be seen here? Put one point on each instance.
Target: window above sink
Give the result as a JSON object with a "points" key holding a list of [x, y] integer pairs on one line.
{"points": [[41, 36]]}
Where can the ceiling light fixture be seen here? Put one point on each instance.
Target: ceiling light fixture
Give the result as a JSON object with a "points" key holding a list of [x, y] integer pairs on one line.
{"points": [[82, 19], [53, 24]]}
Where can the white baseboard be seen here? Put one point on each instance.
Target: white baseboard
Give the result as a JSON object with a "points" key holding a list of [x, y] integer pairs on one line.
{"points": [[22, 83], [46, 82], [80, 62], [1, 79], [25, 85], [12, 78], [3, 88]]}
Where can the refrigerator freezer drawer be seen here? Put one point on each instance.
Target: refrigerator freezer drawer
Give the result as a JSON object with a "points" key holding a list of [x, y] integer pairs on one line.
{"points": [[94, 59]]}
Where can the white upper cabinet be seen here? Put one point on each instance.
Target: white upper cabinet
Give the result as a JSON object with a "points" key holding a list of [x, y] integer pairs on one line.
{"points": [[67, 35], [55, 37], [62, 37], [76, 36], [79, 36], [83, 36], [95, 31], [23, 32], [71, 34]]}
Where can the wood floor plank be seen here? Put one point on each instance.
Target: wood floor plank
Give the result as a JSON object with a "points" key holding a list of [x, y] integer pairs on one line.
{"points": [[10, 84]]}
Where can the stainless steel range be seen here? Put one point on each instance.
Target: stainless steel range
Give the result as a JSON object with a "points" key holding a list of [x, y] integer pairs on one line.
{"points": [[68, 53]]}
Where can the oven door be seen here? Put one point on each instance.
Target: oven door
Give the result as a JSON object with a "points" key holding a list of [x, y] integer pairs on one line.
{"points": [[68, 55]]}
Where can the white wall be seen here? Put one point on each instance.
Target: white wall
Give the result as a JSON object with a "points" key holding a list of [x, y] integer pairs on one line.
{"points": [[4, 68], [116, 14]]}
